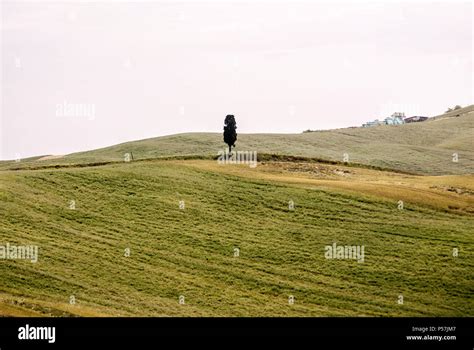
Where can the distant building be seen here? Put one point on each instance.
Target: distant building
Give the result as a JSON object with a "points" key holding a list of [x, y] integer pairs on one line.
{"points": [[415, 119], [397, 118], [373, 123]]}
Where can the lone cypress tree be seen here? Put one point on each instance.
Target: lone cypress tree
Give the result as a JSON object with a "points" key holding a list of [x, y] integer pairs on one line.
{"points": [[230, 133]]}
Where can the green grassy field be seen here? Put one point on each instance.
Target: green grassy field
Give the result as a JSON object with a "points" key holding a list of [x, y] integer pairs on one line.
{"points": [[133, 207], [190, 252]]}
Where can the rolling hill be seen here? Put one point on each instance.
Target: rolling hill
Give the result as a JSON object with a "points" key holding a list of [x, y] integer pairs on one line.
{"points": [[191, 237], [422, 148]]}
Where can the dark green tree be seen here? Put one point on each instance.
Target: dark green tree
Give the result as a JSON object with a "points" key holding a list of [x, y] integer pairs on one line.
{"points": [[230, 133]]}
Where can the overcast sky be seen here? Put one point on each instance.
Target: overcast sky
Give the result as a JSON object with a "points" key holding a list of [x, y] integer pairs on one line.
{"points": [[79, 76]]}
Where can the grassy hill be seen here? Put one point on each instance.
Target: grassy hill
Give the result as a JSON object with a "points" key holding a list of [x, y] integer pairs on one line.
{"points": [[134, 207], [423, 148], [190, 252]]}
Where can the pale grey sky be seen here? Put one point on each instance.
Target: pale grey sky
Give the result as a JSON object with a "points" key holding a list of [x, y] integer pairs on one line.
{"points": [[83, 75]]}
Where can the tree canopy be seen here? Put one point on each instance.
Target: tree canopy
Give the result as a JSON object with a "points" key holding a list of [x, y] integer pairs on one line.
{"points": [[230, 131]]}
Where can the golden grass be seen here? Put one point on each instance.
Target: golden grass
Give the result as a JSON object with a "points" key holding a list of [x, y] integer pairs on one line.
{"points": [[450, 193]]}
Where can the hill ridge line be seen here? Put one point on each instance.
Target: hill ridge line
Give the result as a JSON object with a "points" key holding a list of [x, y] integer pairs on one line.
{"points": [[261, 157]]}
